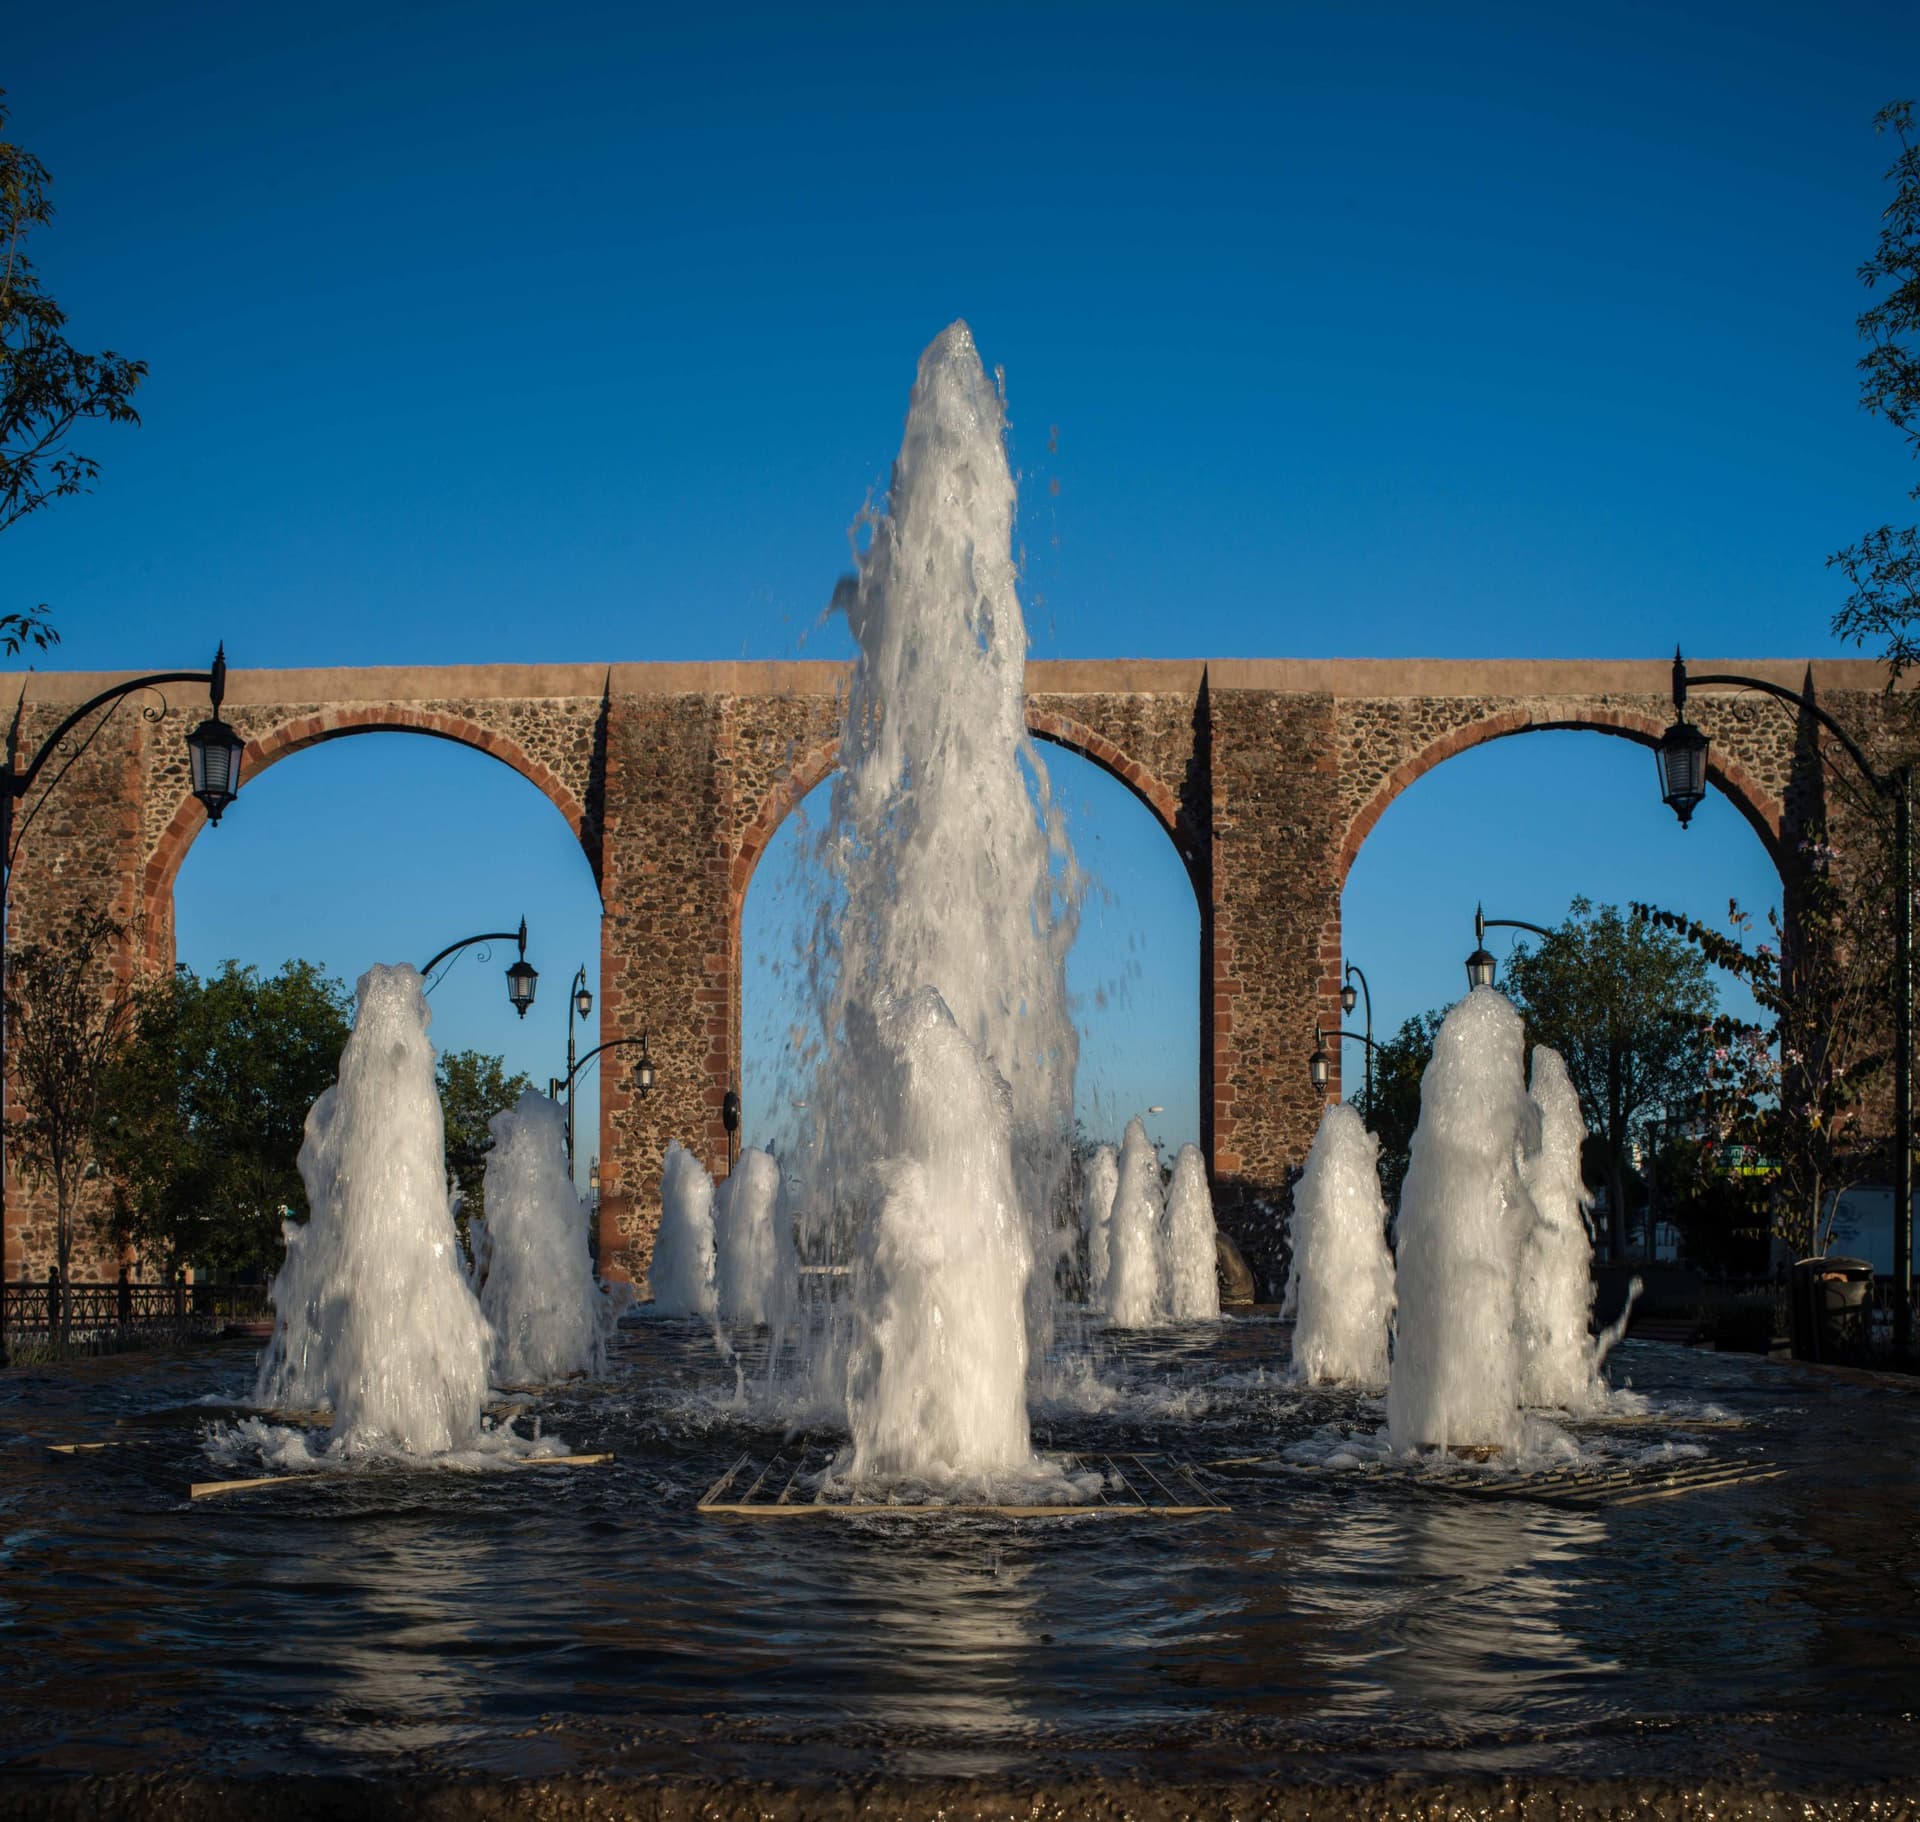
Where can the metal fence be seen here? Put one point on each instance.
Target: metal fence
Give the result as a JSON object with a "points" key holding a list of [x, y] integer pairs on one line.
{"points": [[157, 1309]]}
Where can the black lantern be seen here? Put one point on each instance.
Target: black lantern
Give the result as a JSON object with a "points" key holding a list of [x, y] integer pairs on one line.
{"points": [[1682, 753], [1480, 968], [215, 750], [1682, 756], [1349, 997], [1319, 1065], [522, 977], [643, 1070], [730, 1112], [583, 1001], [555, 1088]]}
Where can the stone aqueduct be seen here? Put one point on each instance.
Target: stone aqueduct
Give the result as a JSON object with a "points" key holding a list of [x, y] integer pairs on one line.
{"points": [[1266, 774]]}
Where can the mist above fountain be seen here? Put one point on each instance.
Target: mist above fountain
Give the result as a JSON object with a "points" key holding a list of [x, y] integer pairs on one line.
{"points": [[375, 1317]]}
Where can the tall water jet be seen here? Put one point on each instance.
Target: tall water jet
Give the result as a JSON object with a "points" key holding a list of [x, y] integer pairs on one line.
{"points": [[949, 876], [376, 1319], [1463, 1214], [1097, 1191], [1192, 1254], [549, 1317], [1340, 1280], [1559, 1361], [747, 1260], [936, 1384], [682, 1271], [1134, 1294]]}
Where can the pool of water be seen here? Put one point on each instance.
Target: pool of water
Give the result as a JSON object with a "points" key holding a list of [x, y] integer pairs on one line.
{"points": [[1340, 1622]]}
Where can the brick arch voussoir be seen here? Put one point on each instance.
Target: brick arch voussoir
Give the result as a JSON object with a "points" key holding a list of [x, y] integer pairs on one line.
{"points": [[1765, 813], [163, 865], [783, 797], [1077, 737]]}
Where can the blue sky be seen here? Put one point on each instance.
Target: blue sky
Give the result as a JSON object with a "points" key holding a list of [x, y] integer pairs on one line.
{"points": [[482, 333]]}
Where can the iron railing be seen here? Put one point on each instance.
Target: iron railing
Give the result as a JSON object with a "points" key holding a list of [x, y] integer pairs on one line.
{"points": [[184, 1309]]}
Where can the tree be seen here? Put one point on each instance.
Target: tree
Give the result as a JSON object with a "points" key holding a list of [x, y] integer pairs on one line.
{"points": [[1398, 1064], [1884, 566], [1630, 1007], [473, 1088], [66, 1015], [206, 1108], [1794, 1087], [47, 386]]}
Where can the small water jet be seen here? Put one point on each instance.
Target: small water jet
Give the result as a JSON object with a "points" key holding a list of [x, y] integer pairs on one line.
{"points": [[1464, 1212], [1192, 1253], [549, 1317], [1134, 1295], [1340, 1281], [376, 1319], [682, 1272], [1097, 1191], [1559, 1359], [749, 1261]]}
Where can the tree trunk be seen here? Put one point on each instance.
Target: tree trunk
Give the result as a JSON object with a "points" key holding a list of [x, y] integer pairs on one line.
{"points": [[1616, 1205]]}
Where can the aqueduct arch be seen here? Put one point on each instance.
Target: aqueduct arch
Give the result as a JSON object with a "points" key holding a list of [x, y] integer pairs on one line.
{"points": [[1267, 774]]}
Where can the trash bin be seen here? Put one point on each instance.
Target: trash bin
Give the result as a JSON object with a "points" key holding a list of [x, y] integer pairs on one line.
{"points": [[1833, 1310]]}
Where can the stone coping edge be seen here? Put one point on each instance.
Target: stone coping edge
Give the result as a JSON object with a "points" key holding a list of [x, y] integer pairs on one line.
{"points": [[1340, 677]]}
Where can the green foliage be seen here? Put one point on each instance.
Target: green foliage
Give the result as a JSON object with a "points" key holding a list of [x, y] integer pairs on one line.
{"points": [[1398, 1064], [1794, 1087], [1630, 1007], [473, 1088], [1884, 566], [66, 1017], [47, 386], [205, 1109]]}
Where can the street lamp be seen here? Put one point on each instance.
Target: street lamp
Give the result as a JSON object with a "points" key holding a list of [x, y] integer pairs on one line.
{"points": [[730, 1119], [1348, 999], [214, 753], [1320, 1064], [1480, 964], [580, 1004], [642, 1070], [522, 977], [1682, 755]]}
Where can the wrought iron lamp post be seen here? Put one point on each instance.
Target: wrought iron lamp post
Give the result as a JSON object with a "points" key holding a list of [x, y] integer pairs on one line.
{"points": [[1682, 757], [580, 1004], [1480, 964], [1320, 1064], [1348, 999], [522, 978], [642, 1070], [214, 754]]}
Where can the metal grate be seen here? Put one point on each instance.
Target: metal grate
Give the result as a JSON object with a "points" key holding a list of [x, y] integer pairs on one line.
{"points": [[788, 1484], [1624, 1486]]}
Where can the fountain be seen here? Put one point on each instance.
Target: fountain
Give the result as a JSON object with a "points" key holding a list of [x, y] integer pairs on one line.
{"points": [[1340, 1280], [1559, 1359], [749, 1260], [1134, 1297], [376, 1320], [682, 1271], [1464, 1214], [941, 946], [1096, 1217], [549, 1317], [1192, 1253]]}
